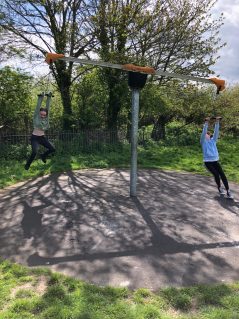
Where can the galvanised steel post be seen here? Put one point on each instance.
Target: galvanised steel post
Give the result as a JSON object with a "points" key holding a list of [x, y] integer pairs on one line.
{"points": [[134, 141]]}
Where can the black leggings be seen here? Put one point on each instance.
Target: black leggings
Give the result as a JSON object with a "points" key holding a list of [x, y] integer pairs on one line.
{"points": [[35, 142], [217, 171]]}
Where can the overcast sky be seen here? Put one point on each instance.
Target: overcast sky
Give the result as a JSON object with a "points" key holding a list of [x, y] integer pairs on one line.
{"points": [[228, 64]]}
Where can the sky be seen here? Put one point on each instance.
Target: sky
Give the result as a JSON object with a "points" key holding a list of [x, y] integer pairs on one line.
{"points": [[228, 64], [227, 67]]}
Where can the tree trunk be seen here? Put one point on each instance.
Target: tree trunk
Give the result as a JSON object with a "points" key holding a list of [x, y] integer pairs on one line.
{"points": [[63, 78], [159, 132], [67, 109], [112, 114], [112, 111], [114, 105]]}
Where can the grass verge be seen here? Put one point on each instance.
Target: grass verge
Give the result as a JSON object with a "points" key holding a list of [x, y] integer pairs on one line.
{"points": [[180, 158], [41, 294]]}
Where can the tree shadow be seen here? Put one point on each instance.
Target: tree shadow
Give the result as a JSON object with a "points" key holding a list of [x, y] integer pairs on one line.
{"points": [[32, 221], [93, 229]]}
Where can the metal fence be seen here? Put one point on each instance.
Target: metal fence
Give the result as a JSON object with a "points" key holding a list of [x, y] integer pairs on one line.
{"points": [[16, 145]]}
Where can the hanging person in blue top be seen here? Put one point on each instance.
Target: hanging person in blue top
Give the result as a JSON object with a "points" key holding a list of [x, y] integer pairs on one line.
{"points": [[211, 156], [40, 123]]}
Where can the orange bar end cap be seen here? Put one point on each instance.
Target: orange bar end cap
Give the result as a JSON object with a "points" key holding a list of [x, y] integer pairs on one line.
{"points": [[51, 57], [221, 84]]}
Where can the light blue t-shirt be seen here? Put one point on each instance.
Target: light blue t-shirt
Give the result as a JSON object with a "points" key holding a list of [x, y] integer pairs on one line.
{"points": [[209, 147]]}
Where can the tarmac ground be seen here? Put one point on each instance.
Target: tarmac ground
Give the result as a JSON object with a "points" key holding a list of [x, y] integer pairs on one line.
{"points": [[178, 231]]}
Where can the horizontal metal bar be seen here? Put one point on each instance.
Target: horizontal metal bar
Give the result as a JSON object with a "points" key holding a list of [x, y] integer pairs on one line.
{"points": [[182, 76], [120, 67], [93, 62]]}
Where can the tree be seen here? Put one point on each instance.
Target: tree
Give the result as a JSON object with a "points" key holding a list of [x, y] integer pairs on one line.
{"points": [[7, 48], [91, 100], [188, 104], [185, 42], [172, 35], [158, 106], [227, 105], [111, 20], [45, 26], [15, 98], [179, 36]]}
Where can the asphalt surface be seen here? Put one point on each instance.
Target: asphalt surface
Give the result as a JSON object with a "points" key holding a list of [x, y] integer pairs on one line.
{"points": [[177, 232]]}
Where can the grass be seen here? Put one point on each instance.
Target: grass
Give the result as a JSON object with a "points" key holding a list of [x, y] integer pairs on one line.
{"points": [[180, 158], [41, 294]]}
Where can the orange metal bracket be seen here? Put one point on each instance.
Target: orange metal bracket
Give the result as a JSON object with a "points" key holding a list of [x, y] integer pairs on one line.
{"points": [[136, 68], [51, 57], [219, 83]]}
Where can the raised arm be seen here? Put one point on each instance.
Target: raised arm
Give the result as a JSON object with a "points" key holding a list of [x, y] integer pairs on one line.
{"points": [[48, 101], [204, 131], [216, 130], [38, 106]]}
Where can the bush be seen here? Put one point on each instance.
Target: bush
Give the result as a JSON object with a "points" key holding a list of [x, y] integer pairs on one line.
{"points": [[178, 134], [18, 152]]}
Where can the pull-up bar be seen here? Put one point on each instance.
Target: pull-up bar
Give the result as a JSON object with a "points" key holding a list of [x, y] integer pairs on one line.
{"points": [[52, 57], [136, 80]]}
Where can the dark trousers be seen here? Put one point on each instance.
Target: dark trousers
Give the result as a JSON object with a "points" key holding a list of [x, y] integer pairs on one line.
{"points": [[217, 171], [35, 142]]}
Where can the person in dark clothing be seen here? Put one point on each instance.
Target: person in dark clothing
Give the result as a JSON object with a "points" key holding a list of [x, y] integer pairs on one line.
{"points": [[211, 156], [40, 123]]}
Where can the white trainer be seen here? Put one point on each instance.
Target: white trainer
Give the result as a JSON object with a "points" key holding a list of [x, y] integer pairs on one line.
{"points": [[221, 191], [229, 194]]}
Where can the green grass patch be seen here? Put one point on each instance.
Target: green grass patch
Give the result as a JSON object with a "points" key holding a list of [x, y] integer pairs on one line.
{"points": [[67, 298], [155, 156]]}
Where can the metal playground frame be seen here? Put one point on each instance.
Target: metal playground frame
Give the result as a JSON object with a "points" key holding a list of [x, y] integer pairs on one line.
{"points": [[137, 76]]}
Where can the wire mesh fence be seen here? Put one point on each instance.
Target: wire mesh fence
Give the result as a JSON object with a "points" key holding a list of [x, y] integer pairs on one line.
{"points": [[17, 145]]}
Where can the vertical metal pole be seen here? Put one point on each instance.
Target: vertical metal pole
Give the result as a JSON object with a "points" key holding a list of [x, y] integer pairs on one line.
{"points": [[134, 140]]}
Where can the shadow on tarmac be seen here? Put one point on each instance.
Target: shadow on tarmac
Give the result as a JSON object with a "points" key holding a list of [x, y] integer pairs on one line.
{"points": [[85, 224]]}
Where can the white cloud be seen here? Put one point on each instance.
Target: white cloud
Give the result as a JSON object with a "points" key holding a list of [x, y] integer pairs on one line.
{"points": [[227, 66], [230, 9]]}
